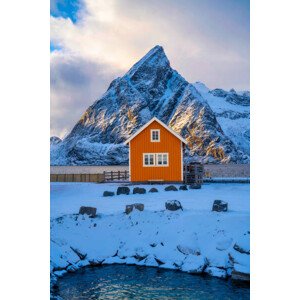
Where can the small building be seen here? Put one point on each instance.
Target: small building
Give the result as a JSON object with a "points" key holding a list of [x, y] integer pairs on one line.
{"points": [[156, 154]]}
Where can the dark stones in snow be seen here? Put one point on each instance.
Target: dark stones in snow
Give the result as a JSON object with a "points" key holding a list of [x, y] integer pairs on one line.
{"points": [[108, 194], [123, 190], [183, 188], [129, 208], [153, 190], [220, 206], [88, 210], [195, 186], [81, 256], [138, 190], [173, 205], [171, 188]]}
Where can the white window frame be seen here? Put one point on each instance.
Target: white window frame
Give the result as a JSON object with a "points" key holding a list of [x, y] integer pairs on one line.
{"points": [[148, 154], [155, 159], [151, 135], [162, 154]]}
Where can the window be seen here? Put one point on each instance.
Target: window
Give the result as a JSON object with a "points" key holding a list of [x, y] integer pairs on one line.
{"points": [[149, 159], [156, 159], [155, 135]]}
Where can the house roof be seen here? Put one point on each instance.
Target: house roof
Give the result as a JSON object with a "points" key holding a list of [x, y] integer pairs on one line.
{"points": [[162, 124]]}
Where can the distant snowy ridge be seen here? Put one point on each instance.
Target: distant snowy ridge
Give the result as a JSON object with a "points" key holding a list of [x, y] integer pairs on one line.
{"points": [[214, 122]]}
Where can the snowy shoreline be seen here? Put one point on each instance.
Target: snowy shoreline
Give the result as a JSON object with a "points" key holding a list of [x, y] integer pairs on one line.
{"points": [[195, 240]]}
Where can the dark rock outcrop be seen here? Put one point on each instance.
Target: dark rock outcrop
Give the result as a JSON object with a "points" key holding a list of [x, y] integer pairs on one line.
{"points": [[90, 211], [220, 206], [173, 205], [170, 188], [108, 194], [123, 190], [138, 190], [129, 208]]}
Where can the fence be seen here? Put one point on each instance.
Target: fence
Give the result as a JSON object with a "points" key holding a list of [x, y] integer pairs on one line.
{"points": [[116, 175], [77, 178]]}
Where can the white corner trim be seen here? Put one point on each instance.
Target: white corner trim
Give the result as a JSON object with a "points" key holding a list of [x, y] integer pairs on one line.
{"points": [[129, 163], [181, 154]]}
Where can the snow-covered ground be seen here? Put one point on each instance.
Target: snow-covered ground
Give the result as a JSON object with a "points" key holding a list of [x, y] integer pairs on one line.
{"points": [[193, 240]]}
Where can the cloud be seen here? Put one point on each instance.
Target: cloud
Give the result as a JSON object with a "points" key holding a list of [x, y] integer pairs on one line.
{"points": [[205, 41], [75, 84]]}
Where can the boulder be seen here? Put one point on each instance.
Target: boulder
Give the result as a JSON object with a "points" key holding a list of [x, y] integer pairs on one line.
{"points": [[171, 188], [195, 186], [123, 190], [138, 190], [240, 276], [108, 194], [220, 205], [129, 208], [91, 211], [173, 205], [194, 264], [183, 188], [153, 190]]}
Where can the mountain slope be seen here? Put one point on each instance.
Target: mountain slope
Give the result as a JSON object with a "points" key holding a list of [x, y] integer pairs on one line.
{"points": [[150, 88]]}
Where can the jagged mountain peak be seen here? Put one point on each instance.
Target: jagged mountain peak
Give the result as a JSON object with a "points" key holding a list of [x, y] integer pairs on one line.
{"points": [[150, 88], [155, 58]]}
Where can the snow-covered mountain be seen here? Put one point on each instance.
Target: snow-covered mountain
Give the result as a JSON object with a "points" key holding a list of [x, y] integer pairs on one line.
{"points": [[214, 122]]}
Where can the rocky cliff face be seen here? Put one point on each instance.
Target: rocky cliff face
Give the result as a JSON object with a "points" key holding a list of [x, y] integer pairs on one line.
{"points": [[152, 88]]}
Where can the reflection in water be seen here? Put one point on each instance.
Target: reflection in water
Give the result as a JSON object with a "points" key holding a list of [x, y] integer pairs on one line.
{"points": [[131, 282]]}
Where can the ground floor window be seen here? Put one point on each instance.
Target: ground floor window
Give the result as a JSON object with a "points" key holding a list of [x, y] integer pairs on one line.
{"points": [[156, 159], [149, 159]]}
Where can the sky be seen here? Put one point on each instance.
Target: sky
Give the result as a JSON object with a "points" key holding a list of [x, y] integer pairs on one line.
{"points": [[94, 41]]}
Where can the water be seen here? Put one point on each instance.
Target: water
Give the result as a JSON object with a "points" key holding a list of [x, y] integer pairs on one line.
{"points": [[132, 282]]}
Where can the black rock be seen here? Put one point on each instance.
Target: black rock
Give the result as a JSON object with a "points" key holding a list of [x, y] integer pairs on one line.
{"points": [[171, 188], [138, 190], [129, 208], [123, 190], [91, 211], [183, 188], [173, 205], [195, 186], [220, 205], [153, 190], [108, 194]]}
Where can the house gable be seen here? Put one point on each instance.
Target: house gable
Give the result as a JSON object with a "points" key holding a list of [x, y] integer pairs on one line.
{"points": [[161, 124]]}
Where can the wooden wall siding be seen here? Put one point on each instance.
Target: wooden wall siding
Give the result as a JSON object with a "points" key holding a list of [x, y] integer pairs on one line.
{"points": [[77, 178], [142, 144]]}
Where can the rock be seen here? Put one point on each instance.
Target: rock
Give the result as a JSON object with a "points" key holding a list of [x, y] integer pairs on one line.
{"points": [[81, 256], [91, 211], [220, 205], [240, 276], [173, 205], [153, 190], [240, 249], [216, 272], [129, 208], [171, 188], [194, 264], [138, 190], [195, 186], [123, 190], [183, 188], [108, 194], [186, 250]]}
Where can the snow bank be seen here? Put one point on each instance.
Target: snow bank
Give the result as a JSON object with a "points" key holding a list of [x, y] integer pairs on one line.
{"points": [[194, 240]]}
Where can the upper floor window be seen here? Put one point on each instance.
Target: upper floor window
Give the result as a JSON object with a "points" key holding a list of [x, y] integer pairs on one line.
{"points": [[155, 135]]}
